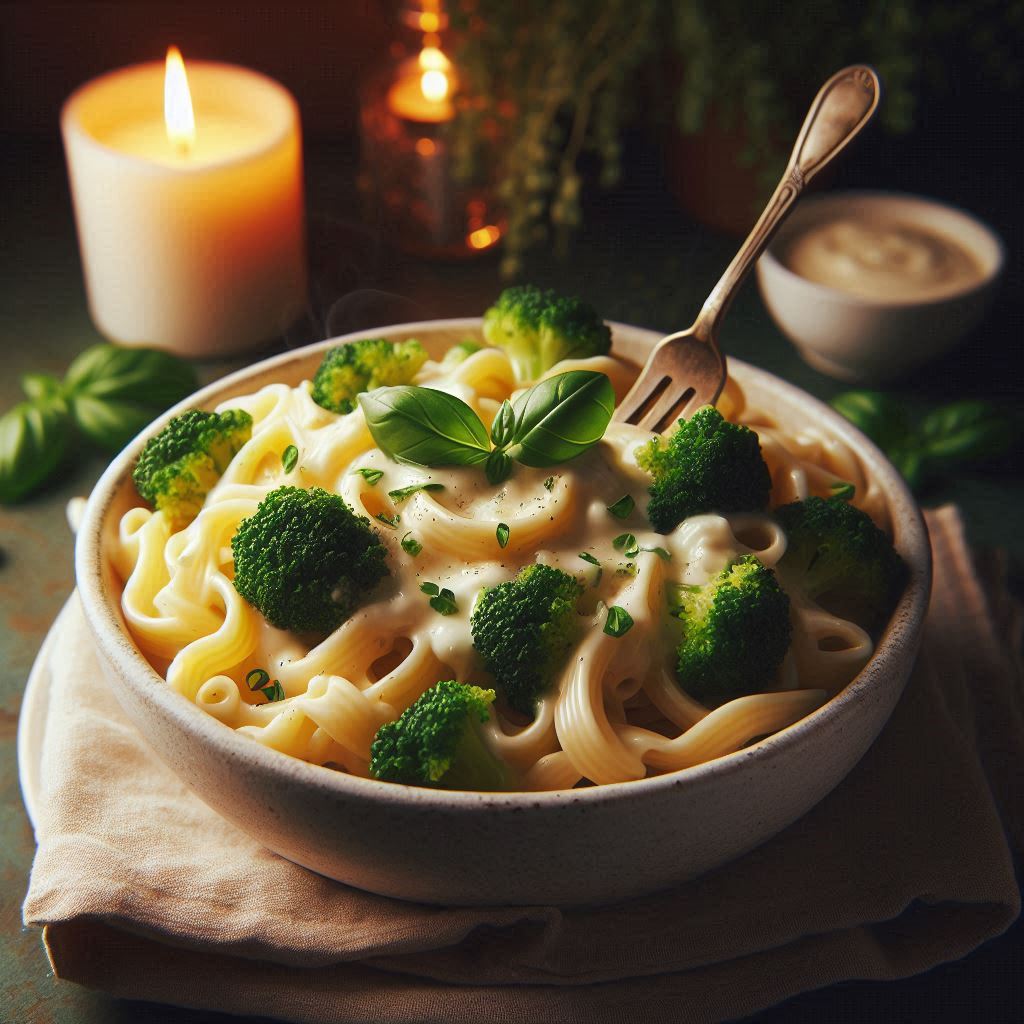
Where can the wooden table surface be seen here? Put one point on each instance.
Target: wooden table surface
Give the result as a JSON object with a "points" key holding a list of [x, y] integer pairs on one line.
{"points": [[638, 260]]}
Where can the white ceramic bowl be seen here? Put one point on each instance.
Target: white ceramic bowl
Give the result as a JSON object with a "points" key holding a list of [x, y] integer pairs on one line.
{"points": [[864, 340], [581, 846]]}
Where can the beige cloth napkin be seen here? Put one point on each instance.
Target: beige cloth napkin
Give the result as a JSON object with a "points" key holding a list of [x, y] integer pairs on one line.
{"points": [[146, 893]]}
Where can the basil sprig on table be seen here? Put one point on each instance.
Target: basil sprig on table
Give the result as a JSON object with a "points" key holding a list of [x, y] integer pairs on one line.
{"points": [[922, 448], [108, 395], [552, 422], [33, 440]]}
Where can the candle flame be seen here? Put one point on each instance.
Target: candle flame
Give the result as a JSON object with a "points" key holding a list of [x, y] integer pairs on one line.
{"points": [[434, 85], [178, 116]]}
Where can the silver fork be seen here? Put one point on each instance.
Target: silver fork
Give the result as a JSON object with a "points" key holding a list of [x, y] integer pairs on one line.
{"points": [[686, 370]]}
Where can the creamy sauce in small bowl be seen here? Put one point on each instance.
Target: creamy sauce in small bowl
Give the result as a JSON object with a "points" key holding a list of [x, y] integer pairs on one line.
{"points": [[882, 259], [870, 285]]}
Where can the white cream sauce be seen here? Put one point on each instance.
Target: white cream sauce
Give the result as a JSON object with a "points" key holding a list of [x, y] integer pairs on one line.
{"points": [[881, 259]]}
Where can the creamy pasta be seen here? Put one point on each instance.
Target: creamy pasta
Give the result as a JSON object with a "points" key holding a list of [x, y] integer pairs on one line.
{"points": [[614, 714]]}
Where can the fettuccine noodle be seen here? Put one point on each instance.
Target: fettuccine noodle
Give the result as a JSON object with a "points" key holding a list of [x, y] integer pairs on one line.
{"points": [[614, 714]]}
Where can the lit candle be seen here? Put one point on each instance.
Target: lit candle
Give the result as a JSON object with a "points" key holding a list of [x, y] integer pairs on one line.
{"points": [[422, 91], [191, 229]]}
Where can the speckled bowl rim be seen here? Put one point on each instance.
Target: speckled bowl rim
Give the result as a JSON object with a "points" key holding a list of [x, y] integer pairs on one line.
{"points": [[116, 646], [810, 204]]}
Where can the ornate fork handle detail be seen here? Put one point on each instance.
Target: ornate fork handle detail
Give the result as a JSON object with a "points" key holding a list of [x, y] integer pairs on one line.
{"points": [[843, 106]]}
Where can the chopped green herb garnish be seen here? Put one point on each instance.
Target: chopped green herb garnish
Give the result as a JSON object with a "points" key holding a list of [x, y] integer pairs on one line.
{"points": [[626, 569], [502, 534], [274, 692], [549, 483], [623, 507], [626, 543], [843, 490], [402, 493], [588, 557], [391, 521], [371, 476], [258, 680], [442, 601], [411, 546], [619, 621], [289, 457], [664, 555]]}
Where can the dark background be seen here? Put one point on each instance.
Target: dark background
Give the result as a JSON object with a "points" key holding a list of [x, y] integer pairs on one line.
{"points": [[964, 149]]}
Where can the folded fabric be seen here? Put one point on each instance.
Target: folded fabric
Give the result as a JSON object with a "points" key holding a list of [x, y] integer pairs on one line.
{"points": [[145, 892]]}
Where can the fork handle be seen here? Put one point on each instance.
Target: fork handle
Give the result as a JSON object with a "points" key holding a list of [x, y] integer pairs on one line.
{"points": [[843, 106]]}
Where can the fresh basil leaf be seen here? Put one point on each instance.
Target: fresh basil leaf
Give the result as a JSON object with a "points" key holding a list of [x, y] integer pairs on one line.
{"points": [[963, 431], [843, 490], [34, 438], [882, 417], [144, 376], [114, 392], [424, 427], [430, 588], [110, 425], [619, 621], [404, 493], [41, 387], [498, 466], [502, 534], [411, 546], [622, 508], [504, 424], [371, 476], [387, 520], [289, 457], [561, 417]]}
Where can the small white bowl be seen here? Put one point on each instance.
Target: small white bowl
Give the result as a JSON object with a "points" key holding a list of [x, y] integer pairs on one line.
{"points": [[580, 846], [864, 340]]}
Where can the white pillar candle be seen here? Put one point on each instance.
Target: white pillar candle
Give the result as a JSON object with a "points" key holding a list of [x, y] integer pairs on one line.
{"points": [[200, 250]]}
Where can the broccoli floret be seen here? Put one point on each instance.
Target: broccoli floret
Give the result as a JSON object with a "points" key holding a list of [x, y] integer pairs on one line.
{"points": [[523, 630], [436, 742], [540, 328], [179, 466], [305, 559], [838, 557], [736, 631], [460, 353], [707, 465], [349, 370]]}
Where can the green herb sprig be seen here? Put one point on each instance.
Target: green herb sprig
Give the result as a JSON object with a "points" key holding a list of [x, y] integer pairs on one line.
{"points": [[442, 600], [930, 446], [552, 422], [107, 396]]}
